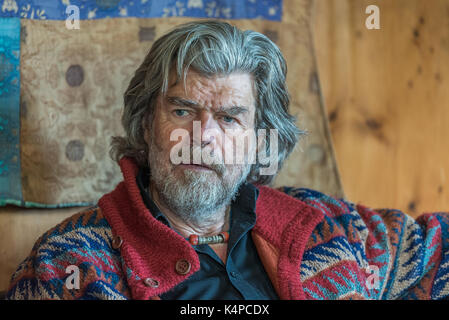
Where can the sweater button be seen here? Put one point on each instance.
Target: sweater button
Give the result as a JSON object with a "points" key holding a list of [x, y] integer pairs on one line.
{"points": [[152, 283], [182, 266], [117, 242]]}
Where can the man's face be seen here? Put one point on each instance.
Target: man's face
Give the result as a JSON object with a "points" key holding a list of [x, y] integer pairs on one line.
{"points": [[224, 107]]}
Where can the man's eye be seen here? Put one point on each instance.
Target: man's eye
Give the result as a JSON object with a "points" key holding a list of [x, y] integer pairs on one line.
{"points": [[228, 119], [181, 112]]}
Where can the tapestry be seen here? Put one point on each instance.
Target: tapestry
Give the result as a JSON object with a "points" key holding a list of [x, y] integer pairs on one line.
{"points": [[10, 186], [58, 117], [97, 9]]}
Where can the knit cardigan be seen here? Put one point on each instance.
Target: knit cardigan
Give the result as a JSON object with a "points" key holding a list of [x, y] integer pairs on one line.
{"points": [[311, 245]]}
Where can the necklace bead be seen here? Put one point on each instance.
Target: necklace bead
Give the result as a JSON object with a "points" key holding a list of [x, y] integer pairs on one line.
{"points": [[222, 237]]}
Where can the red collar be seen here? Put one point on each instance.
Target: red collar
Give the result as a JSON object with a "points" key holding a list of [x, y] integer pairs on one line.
{"points": [[150, 249]]}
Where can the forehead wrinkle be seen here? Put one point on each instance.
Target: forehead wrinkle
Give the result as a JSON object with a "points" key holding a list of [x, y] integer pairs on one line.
{"points": [[231, 110], [214, 94], [208, 87]]}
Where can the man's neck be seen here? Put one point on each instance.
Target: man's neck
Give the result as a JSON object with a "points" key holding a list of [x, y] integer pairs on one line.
{"points": [[206, 228]]}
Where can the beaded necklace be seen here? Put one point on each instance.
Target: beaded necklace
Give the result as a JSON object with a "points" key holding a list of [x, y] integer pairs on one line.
{"points": [[194, 239], [221, 237]]}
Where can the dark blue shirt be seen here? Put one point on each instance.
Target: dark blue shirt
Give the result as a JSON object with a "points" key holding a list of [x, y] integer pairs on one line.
{"points": [[243, 276]]}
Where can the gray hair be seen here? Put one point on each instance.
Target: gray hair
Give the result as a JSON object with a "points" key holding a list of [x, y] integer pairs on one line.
{"points": [[211, 48]]}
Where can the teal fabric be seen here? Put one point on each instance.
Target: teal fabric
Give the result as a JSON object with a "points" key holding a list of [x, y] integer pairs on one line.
{"points": [[10, 176]]}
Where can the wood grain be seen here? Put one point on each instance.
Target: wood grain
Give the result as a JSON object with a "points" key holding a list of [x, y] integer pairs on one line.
{"points": [[387, 97]]}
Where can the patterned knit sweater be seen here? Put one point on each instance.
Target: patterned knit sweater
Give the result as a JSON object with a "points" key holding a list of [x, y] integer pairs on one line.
{"points": [[312, 246]]}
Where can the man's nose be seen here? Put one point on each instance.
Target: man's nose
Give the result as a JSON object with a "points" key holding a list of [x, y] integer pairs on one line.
{"points": [[207, 130]]}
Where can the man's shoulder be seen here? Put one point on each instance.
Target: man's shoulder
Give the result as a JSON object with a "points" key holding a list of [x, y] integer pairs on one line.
{"points": [[85, 227], [82, 240], [329, 205]]}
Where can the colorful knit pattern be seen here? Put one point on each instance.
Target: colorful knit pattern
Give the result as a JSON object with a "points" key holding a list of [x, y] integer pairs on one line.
{"points": [[83, 240], [353, 253], [357, 252]]}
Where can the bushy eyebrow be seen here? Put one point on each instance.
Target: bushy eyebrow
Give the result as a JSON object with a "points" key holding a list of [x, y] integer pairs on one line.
{"points": [[231, 111], [181, 102]]}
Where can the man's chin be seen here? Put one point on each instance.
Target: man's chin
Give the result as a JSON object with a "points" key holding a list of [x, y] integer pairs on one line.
{"points": [[190, 174], [191, 170]]}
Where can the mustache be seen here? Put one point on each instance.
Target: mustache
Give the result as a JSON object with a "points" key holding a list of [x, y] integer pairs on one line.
{"points": [[214, 162]]}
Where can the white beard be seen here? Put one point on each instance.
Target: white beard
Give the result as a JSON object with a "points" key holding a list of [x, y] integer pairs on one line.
{"points": [[195, 196]]}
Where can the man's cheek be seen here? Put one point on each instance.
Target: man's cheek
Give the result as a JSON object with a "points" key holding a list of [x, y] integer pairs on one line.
{"points": [[229, 150], [179, 147], [240, 147]]}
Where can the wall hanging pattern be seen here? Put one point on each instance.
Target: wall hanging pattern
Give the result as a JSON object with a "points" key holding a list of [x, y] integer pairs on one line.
{"points": [[9, 109], [72, 84], [97, 9]]}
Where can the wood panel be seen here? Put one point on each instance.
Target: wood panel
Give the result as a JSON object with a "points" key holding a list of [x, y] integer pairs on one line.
{"points": [[387, 97], [19, 230]]}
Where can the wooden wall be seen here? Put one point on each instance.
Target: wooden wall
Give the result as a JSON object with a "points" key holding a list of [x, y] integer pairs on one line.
{"points": [[19, 229], [387, 97]]}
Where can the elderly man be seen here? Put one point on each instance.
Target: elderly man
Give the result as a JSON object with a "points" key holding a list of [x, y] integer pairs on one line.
{"points": [[190, 222]]}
